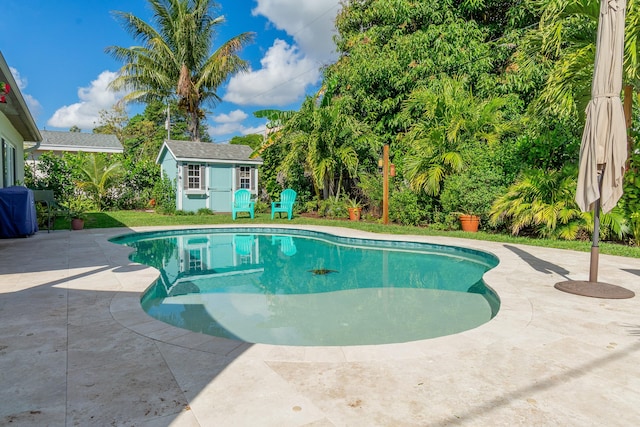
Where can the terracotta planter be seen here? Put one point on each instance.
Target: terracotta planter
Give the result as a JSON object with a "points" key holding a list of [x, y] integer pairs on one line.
{"points": [[77, 224], [469, 223], [354, 213]]}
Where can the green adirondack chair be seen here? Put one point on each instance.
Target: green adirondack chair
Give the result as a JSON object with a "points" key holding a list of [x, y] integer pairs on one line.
{"points": [[242, 203], [47, 198], [285, 205]]}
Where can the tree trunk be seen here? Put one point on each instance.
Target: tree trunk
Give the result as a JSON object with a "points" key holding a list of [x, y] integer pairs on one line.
{"points": [[193, 126]]}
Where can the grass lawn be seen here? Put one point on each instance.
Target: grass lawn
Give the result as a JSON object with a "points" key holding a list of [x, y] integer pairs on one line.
{"points": [[141, 218]]}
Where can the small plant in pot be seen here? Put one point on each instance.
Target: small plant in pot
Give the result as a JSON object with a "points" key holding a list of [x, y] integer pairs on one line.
{"points": [[469, 195], [355, 209], [77, 212]]}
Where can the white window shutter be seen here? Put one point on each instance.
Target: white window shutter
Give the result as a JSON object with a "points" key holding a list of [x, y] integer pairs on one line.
{"points": [[203, 183]]}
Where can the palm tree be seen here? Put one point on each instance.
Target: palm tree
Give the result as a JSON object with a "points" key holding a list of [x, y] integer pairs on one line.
{"points": [[97, 177], [445, 118], [326, 140], [174, 60], [323, 137], [565, 41]]}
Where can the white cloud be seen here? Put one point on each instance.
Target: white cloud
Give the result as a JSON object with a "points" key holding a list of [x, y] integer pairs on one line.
{"points": [[228, 123], [233, 116], [288, 70], [93, 99], [283, 78], [34, 106], [225, 129], [309, 22], [231, 123], [21, 81], [229, 129], [254, 129]]}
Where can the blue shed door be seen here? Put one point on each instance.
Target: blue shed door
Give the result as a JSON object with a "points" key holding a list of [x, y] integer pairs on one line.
{"points": [[220, 188]]}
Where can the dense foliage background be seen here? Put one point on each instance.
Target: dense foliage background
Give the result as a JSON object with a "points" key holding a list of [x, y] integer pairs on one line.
{"points": [[480, 101]]}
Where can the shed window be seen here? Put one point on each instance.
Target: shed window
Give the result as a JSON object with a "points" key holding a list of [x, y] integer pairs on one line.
{"points": [[194, 177], [196, 259], [245, 177]]}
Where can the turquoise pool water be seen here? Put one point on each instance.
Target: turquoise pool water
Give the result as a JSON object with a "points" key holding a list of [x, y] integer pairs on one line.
{"points": [[295, 287]]}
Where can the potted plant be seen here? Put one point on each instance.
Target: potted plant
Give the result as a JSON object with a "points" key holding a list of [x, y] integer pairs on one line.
{"points": [[469, 195], [76, 211], [355, 209]]}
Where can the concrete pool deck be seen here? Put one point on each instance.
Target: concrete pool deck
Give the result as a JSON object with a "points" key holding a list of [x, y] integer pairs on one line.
{"points": [[77, 349]]}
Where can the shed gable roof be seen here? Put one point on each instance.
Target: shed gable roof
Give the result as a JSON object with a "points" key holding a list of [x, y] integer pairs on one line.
{"points": [[210, 152], [79, 141]]}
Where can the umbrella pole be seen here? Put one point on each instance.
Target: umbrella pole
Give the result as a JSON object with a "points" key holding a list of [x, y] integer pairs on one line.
{"points": [[595, 250]]}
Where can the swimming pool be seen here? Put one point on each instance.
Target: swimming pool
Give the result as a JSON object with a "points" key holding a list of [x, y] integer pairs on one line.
{"points": [[298, 287]]}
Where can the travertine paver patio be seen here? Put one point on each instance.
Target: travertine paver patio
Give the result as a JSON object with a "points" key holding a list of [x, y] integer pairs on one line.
{"points": [[77, 349]]}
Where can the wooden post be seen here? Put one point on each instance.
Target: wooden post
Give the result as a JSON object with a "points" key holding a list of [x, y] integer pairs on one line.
{"points": [[385, 184]]}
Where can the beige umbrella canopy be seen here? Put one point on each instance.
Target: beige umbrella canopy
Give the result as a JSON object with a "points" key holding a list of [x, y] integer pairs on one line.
{"points": [[603, 152], [604, 141]]}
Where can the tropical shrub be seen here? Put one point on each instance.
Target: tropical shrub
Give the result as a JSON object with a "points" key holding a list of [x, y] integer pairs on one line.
{"points": [[164, 194], [52, 173], [260, 206], [631, 195], [542, 203], [404, 208], [310, 206], [471, 192], [274, 179], [635, 228], [613, 225], [135, 186], [446, 121], [371, 192], [551, 147], [333, 207]]}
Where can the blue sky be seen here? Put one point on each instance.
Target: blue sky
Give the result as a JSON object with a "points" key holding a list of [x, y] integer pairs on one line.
{"points": [[55, 50]]}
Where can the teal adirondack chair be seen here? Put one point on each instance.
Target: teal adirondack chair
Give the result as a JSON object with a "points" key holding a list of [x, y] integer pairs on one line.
{"points": [[285, 205], [287, 246], [242, 203], [244, 244]]}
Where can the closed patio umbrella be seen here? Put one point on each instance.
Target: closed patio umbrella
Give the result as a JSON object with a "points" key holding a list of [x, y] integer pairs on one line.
{"points": [[603, 151]]}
